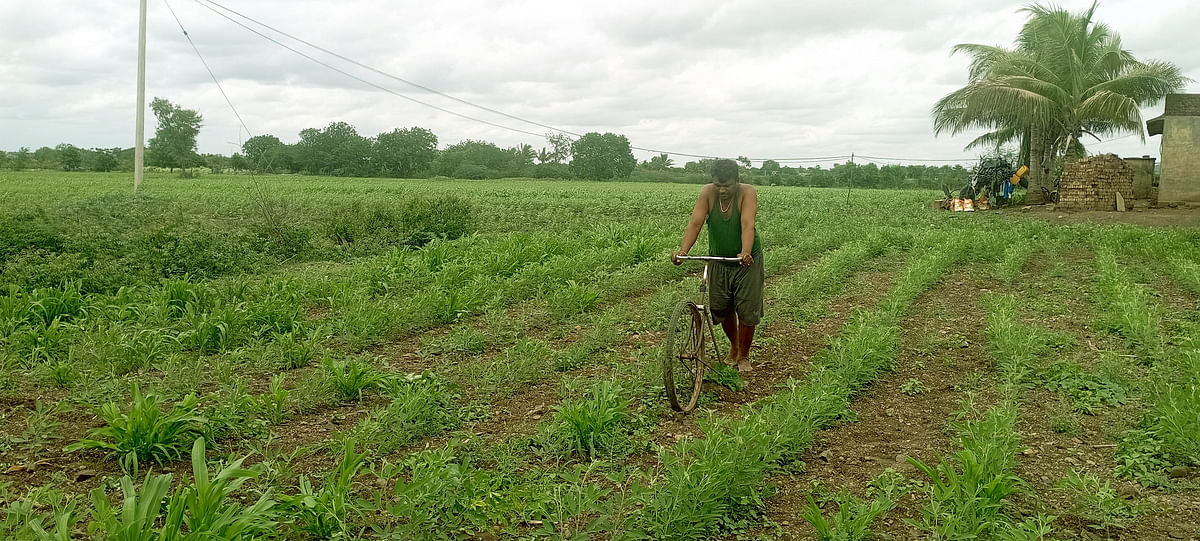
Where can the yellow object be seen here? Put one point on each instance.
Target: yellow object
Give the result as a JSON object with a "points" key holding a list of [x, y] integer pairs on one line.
{"points": [[1020, 173]]}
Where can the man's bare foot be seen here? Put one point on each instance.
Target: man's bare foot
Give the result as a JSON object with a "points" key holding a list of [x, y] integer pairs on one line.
{"points": [[743, 366], [729, 360]]}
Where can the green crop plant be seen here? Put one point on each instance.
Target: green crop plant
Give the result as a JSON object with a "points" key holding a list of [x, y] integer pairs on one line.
{"points": [[145, 433], [349, 378], [273, 403], [205, 509], [851, 522], [591, 425], [327, 513]]}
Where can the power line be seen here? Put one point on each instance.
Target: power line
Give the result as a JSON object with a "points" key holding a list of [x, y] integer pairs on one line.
{"points": [[210, 71], [369, 83], [209, 4]]}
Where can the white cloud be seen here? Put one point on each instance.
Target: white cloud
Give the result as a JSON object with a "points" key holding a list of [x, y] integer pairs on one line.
{"points": [[762, 78]]}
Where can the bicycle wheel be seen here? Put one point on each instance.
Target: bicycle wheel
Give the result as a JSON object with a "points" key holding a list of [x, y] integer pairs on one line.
{"points": [[683, 356]]}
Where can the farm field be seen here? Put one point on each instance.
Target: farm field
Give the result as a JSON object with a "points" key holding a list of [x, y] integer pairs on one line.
{"points": [[314, 358]]}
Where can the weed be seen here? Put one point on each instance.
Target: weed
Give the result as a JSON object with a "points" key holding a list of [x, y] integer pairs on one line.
{"points": [[590, 425], [912, 387], [1064, 418], [421, 406], [1098, 503], [726, 376], [1088, 391], [438, 491], [145, 433]]}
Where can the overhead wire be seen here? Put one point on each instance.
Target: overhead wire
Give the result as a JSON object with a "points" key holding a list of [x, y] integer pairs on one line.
{"points": [[213, 6]]}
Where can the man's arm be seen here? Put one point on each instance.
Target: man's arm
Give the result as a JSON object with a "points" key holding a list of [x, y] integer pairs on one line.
{"points": [[749, 215], [696, 222]]}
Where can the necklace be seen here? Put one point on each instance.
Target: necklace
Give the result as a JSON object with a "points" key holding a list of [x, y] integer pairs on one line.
{"points": [[724, 209]]}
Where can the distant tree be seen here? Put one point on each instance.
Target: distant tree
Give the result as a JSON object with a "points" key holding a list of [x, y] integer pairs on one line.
{"points": [[662, 162], [104, 159], [744, 161], [174, 142], [69, 156], [560, 148], [524, 153], [404, 153], [238, 162], [544, 156], [605, 156], [21, 159], [265, 153], [3, 159], [770, 167], [477, 159], [1069, 76], [336, 150], [45, 158]]}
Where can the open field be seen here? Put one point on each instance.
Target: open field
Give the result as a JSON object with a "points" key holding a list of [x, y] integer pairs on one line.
{"points": [[920, 374]]}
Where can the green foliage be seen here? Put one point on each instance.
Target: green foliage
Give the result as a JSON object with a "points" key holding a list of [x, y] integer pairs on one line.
{"points": [[912, 387], [1098, 503], [327, 513], [591, 425], [145, 433], [205, 509], [1088, 391], [174, 142], [421, 406], [851, 522], [605, 156], [441, 495], [726, 376], [350, 377]]}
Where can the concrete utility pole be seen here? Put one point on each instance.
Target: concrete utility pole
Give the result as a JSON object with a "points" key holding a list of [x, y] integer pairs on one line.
{"points": [[139, 149]]}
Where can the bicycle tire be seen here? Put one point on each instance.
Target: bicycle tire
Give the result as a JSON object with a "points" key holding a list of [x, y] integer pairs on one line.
{"points": [[683, 356]]}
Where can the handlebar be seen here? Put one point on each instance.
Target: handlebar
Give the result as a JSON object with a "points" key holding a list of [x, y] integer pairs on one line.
{"points": [[708, 258]]}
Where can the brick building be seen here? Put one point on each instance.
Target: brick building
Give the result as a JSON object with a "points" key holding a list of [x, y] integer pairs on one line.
{"points": [[1179, 126]]}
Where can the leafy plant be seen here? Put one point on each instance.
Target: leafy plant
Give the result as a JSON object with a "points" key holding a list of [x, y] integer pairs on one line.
{"points": [[726, 376], [145, 433], [199, 511], [1098, 503], [912, 387], [851, 522], [421, 406], [350, 378], [325, 513], [274, 402], [590, 425]]}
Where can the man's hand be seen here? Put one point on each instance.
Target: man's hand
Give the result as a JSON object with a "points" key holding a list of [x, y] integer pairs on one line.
{"points": [[746, 258], [675, 257]]}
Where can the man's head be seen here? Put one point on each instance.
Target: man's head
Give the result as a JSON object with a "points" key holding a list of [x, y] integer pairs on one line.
{"points": [[725, 176]]}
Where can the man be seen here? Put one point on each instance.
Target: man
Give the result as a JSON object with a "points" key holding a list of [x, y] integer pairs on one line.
{"points": [[735, 289]]}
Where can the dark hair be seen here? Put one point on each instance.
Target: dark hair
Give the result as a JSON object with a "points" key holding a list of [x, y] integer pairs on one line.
{"points": [[725, 170]]}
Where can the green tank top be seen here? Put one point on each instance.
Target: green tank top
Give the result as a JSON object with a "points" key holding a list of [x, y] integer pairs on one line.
{"points": [[725, 234]]}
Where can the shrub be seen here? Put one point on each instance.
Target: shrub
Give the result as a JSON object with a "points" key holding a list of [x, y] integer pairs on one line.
{"points": [[591, 425]]}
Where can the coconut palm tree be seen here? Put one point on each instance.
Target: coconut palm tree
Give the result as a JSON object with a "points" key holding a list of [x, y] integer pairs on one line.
{"points": [[1068, 77]]}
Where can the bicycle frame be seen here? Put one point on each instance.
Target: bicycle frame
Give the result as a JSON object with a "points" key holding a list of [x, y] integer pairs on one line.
{"points": [[703, 304]]}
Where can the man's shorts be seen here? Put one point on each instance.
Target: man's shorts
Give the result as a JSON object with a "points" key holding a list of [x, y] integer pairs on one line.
{"points": [[733, 288]]}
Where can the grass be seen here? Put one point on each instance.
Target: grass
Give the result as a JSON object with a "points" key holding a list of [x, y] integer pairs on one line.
{"points": [[284, 317]]}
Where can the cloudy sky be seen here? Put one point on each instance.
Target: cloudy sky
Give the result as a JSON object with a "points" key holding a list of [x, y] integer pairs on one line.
{"points": [[758, 78]]}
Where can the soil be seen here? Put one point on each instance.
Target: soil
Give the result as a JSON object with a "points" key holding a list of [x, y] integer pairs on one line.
{"points": [[1140, 214]]}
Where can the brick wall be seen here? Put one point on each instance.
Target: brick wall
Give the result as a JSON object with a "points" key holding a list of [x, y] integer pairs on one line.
{"points": [[1182, 105], [1092, 183]]}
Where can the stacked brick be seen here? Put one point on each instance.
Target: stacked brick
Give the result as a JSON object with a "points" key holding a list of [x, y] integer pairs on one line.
{"points": [[1092, 183]]}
